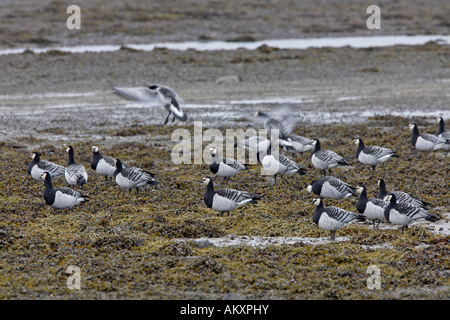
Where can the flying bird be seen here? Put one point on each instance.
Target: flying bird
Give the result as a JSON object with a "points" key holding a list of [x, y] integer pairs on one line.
{"points": [[155, 94]]}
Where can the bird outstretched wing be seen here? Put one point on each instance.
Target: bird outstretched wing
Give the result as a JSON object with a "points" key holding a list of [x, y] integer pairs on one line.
{"points": [[137, 94]]}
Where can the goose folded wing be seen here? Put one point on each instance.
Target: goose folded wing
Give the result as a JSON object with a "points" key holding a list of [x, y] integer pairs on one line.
{"points": [[70, 192], [76, 171], [377, 152], [300, 139], [328, 156], [288, 163], [236, 195], [378, 202], [404, 197], [50, 167], [411, 211], [432, 138], [340, 185], [341, 215], [136, 174], [234, 164]]}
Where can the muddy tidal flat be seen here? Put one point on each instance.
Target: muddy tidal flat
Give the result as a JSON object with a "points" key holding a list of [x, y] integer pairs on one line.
{"points": [[164, 242]]}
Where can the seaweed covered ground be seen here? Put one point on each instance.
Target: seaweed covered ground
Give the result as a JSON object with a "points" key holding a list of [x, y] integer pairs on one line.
{"points": [[125, 244]]}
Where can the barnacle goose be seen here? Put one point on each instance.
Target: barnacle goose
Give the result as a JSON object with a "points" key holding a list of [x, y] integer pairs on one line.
{"points": [[132, 177], [326, 159], [75, 173], [400, 196], [444, 134], [60, 198], [275, 163], [371, 208], [299, 144], [372, 155], [103, 165], [155, 93], [226, 199], [441, 132], [333, 218], [37, 167], [426, 141], [404, 213], [331, 187], [224, 167]]}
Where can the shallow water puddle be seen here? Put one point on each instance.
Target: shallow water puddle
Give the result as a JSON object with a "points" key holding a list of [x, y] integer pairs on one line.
{"points": [[260, 241], [335, 42], [441, 228]]}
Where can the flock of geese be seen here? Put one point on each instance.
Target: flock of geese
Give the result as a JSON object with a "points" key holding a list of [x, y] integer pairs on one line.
{"points": [[397, 207]]}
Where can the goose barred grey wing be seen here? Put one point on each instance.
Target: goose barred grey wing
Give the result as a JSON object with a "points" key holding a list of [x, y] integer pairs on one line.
{"points": [[137, 175], [432, 138], [342, 216], [300, 139], [328, 156], [76, 174], [294, 143], [379, 202], [404, 213], [54, 169], [302, 143], [110, 160], [403, 197], [71, 192], [234, 164], [377, 152], [410, 211], [290, 164], [341, 186]]}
